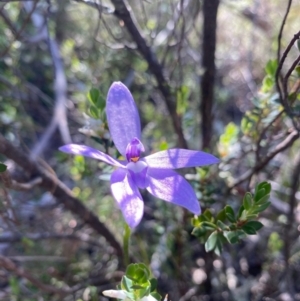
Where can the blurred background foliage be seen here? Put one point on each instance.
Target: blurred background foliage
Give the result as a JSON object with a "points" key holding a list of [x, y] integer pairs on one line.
{"points": [[52, 53]]}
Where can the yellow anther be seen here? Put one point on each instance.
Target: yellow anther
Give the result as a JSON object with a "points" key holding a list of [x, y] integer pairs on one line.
{"points": [[134, 159]]}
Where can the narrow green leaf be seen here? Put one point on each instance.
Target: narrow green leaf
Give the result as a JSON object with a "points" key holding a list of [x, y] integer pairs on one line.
{"points": [[260, 193], [209, 226], [247, 201], [241, 211], [211, 241], [221, 216], [248, 229], [94, 112], [231, 236], [93, 96], [260, 208], [221, 225], [263, 200], [153, 283], [207, 215], [126, 283], [230, 214], [199, 232], [255, 224]]}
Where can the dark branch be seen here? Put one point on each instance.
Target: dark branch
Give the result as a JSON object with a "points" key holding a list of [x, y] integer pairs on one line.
{"points": [[62, 193], [210, 10]]}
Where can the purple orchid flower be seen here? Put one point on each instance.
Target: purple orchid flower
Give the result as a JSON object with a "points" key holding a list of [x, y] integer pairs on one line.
{"points": [[154, 172]]}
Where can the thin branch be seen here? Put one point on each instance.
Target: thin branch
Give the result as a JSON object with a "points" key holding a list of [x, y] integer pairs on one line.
{"points": [[62, 193], [12, 184], [99, 6], [9, 265], [281, 29], [14, 238], [285, 144]]}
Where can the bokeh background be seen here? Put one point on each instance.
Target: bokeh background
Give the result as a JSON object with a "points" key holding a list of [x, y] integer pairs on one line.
{"points": [[200, 76]]}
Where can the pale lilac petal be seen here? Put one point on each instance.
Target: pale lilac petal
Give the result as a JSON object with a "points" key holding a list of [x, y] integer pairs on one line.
{"points": [[122, 116], [83, 150], [179, 158], [127, 196], [169, 186]]}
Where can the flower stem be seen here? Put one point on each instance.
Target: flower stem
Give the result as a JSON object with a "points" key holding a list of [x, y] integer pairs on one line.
{"points": [[126, 239]]}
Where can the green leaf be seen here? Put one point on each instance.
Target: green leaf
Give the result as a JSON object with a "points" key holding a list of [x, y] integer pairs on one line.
{"points": [[139, 273], [267, 84], [231, 236], [153, 283], [230, 214], [94, 112], [93, 96], [255, 224], [260, 194], [3, 167], [260, 208], [221, 225], [221, 216], [207, 215], [211, 241], [271, 67], [156, 295], [248, 229], [265, 185], [219, 247], [209, 226], [126, 284], [263, 200], [247, 201], [241, 211], [199, 231]]}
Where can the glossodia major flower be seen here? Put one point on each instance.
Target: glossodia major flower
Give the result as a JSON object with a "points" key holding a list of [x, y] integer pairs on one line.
{"points": [[154, 172]]}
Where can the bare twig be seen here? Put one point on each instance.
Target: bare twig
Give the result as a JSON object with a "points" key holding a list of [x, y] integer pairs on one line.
{"points": [[285, 144], [13, 238], [9, 265], [99, 6], [12, 184], [281, 29]]}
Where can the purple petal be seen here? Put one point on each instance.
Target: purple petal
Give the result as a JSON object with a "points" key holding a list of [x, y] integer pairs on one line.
{"points": [[122, 116], [179, 158], [87, 151], [167, 185], [138, 172], [127, 196]]}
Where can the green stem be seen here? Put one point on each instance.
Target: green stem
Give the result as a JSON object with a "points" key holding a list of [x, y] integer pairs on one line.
{"points": [[126, 239]]}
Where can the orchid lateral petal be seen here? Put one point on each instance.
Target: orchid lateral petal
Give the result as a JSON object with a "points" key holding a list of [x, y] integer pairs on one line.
{"points": [[83, 150], [122, 116], [179, 158], [128, 197], [169, 186]]}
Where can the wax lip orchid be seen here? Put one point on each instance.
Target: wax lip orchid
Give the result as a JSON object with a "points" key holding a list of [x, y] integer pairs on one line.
{"points": [[154, 172]]}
